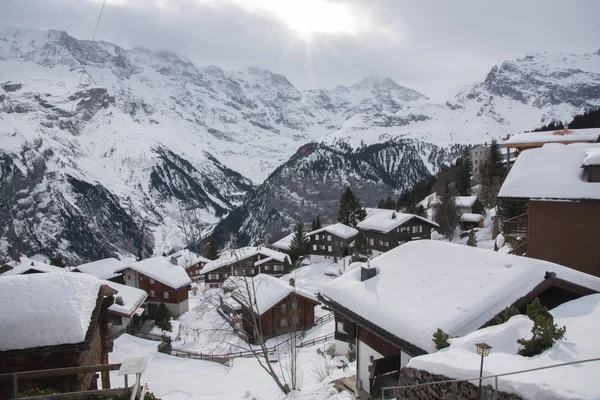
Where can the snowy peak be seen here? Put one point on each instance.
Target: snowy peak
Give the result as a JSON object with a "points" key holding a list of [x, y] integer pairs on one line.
{"points": [[384, 85]]}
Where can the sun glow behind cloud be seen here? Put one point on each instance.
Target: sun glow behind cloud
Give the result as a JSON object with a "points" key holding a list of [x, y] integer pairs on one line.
{"points": [[308, 17]]}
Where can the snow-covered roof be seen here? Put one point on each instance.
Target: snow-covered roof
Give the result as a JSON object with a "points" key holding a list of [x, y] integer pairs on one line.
{"points": [[388, 220], [284, 243], [27, 264], [465, 201], [581, 317], [46, 309], [592, 157], [442, 285], [339, 230], [162, 270], [132, 298], [187, 258], [551, 172], [263, 291], [101, 269], [233, 256], [576, 135], [469, 217]]}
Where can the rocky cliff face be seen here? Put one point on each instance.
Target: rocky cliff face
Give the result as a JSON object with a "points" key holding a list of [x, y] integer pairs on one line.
{"points": [[107, 167]]}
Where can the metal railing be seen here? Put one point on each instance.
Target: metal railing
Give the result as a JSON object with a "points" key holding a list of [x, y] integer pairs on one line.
{"points": [[495, 377]]}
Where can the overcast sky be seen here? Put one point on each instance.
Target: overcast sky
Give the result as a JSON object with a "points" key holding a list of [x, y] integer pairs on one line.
{"points": [[436, 47]]}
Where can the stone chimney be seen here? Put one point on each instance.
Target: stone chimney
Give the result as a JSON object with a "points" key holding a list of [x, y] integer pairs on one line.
{"points": [[173, 260], [292, 282], [119, 300]]}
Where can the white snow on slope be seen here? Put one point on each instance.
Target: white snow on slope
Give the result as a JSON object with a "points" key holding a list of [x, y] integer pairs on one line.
{"points": [[581, 318], [46, 309]]}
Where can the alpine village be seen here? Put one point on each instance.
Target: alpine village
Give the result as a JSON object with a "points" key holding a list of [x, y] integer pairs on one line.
{"points": [[178, 231]]}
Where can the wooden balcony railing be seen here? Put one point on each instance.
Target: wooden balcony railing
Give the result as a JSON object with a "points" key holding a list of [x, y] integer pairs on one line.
{"points": [[516, 226]]}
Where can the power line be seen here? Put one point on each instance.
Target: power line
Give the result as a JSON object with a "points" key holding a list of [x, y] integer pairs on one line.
{"points": [[85, 60]]}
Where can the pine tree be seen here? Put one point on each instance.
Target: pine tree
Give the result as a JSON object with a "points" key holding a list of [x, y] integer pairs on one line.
{"points": [[544, 332], [298, 245], [318, 225], [492, 175], [440, 338], [213, 250], [446, 213], [58, 261], [465, 172], [163, 317], [507, 314], [472, 240], [362, 250], [350, 211]]}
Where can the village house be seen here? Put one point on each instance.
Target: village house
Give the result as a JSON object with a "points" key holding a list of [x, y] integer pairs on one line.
{"points": [[191, 262], [163, 279], [246, 261], [127, 308], [464, 204], [393, 305], [283, 244], [469, 221], [387, 229], [560, 187], [28, 266], [531, 140], [102, 269], [62, 323], [331, 241], [479, 155], [280, 307]]}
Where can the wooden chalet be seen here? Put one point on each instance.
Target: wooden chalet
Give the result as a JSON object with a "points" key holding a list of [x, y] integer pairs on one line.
{"points": [[559, 188], [331, 241], [164, 280], [73, 332], [127, 308], [102, 269], [27, 266], [387, 229], [443, 285], [247, 261], [280, 307], [192, 263], [469, 221]]}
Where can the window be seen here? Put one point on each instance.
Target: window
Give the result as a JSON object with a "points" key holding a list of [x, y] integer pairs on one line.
{"points": [[151, 280], [294, 305], [282, 308], [295, 320], [316, 237], [381, 242], [152, 293], [371, 242], [340, 327], [329, 248], [386, 244], [283, 323], [322, 247], [278, 267], [314, 247], [329, 238], [141, 278], [213, 277], [267, 267], [166, 295], [128, 277]]}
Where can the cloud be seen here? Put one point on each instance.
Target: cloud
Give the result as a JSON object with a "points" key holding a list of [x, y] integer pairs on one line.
{"points": [[434, 47]]}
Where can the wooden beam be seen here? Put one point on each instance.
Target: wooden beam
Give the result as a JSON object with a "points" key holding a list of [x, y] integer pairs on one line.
{"points": [[50, 373], [80, 395]]}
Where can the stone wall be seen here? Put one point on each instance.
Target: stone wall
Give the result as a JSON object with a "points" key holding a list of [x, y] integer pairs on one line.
{"points": [[448, 391]]}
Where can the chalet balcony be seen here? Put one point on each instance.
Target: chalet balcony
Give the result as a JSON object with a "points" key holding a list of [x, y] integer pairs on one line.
{"points": [[384, 372], [516, 226]]}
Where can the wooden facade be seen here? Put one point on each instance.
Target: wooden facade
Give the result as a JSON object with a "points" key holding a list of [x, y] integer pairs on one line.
{"points": [[328, 245], [593, 173], [195, 271], [565, 233], [293, 313], [176, 300], [250, 266], [413, 229], [92, 351]]}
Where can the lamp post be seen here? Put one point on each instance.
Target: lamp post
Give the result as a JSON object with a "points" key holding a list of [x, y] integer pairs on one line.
{"points": [[483, 349]]}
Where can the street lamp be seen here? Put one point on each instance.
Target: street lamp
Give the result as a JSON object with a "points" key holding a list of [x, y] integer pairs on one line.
{"points": [[483, 349]]}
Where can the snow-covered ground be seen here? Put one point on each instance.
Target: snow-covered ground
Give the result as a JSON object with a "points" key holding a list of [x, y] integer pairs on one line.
{"points": [[581, 318]]}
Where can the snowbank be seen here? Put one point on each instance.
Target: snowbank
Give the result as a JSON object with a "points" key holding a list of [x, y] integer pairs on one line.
{"points": [[582, 320], [46, 309]]}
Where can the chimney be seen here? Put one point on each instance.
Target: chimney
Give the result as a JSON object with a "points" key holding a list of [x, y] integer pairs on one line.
{"points": [[393, 215], [367, 272], [174, 261], [119, 300], [550, 275], [292, 282]]}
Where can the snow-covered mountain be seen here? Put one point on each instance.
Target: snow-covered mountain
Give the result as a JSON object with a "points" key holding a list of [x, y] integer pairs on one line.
{"points": [[108, 166]]}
